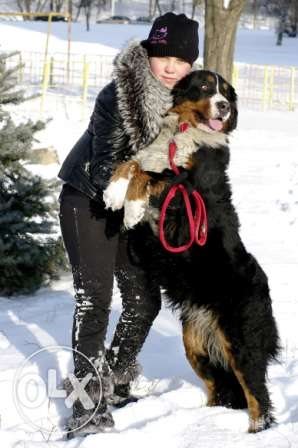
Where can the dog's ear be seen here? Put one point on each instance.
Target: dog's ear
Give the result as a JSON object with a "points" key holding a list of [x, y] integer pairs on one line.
{"points": [[184, 90], [233, 119], [231, 124]]}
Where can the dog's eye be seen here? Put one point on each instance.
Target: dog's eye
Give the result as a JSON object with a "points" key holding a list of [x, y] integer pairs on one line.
{"points": [[204, 87]]}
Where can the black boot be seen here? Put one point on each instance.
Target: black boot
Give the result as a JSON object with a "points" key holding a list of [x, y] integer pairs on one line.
{"points": [[84, 420], [123, 378], [122, 396]]}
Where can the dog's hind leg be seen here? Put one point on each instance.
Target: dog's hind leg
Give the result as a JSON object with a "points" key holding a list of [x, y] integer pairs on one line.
{"points": [[253, 381], [199, 359], [223, 387], [228, 391], [250, 371]]}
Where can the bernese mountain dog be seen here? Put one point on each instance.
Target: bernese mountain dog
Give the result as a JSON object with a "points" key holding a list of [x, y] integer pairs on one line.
{"points": [[222, 294]]}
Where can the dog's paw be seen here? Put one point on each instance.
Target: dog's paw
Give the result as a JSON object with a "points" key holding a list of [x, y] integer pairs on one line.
{"points": [[260, 424], [134, 211], [114, 194]]}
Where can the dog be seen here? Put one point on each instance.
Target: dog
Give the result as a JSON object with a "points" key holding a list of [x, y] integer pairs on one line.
{"points": [[131, 186], [220, 290]]}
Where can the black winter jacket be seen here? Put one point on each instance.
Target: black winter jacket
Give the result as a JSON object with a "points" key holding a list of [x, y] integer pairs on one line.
{"points": [[127, 117]]}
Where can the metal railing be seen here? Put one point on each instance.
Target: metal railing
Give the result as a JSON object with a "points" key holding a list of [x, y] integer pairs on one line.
{"points": [[260, 87]]}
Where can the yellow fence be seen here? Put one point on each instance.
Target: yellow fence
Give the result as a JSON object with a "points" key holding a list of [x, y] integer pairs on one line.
{"points": [[258, 87], [267, 87]]}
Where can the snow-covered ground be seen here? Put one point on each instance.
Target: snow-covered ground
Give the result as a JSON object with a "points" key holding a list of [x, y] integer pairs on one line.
{"points": [[252, 47], [264, 175]]}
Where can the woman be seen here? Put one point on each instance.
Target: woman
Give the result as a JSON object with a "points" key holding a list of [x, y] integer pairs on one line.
{"points": [[127, 117]]}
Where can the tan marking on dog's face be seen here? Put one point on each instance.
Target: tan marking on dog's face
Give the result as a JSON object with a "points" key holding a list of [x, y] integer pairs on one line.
{"points": [[211, 79], [138, 186], [125, 170], [190, 111], [225, 86]]}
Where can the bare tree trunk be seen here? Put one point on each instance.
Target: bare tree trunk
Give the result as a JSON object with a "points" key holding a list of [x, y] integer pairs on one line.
{"points": [[220, 33], [88, 7], [295, 15], [157, 6], [88, 13], [20, 6], [195, 3], [40, 5], [24, 6], [193, 8], [255, 13], [69, 7], [59, 5], [83, 4], [33, 6], [150, 9], [28, 5]]}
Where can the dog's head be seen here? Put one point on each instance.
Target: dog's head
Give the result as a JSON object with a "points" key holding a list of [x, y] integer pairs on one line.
{"points": [[206, 100]]}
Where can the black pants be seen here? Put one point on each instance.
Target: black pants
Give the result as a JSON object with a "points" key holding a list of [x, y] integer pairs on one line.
{"points": [[96, 251]]}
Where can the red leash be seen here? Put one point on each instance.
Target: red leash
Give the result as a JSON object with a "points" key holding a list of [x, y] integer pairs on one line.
{"points": [[197, 222]]}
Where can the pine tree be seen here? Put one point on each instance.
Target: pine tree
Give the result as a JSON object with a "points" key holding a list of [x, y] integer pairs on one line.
{"points": [[30, 252]]}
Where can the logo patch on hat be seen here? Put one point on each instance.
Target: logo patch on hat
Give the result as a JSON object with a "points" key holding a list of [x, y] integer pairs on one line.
{"points": [[159, 36]]}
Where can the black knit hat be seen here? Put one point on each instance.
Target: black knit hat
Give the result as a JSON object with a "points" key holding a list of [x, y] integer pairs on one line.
{"points": [[173, 35]]}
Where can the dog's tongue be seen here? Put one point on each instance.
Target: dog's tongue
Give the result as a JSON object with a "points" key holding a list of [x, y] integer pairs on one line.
{"points": [[216, 125]]}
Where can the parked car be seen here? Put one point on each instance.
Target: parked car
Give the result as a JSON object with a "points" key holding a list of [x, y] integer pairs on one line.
{"points": [[291, 30], [115, 19], [54, 18], [143, 19]]}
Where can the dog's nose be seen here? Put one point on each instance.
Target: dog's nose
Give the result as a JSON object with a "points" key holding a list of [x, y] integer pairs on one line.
{"points": [[223, 107]]}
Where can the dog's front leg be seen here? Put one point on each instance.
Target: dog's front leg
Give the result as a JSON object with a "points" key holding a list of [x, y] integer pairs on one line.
{"points": [[137, 199], [140, 189], [114, 194]]}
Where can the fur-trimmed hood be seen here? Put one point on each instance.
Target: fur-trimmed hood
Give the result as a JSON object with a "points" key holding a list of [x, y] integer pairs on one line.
{"points": [[127, 117], [142, 99]]}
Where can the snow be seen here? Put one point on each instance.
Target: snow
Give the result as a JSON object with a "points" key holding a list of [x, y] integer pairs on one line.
{"points": [[253, 47], [172, 411]]}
